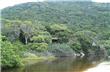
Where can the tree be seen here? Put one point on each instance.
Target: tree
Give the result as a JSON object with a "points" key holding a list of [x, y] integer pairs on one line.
{"points": [[26, 31]]}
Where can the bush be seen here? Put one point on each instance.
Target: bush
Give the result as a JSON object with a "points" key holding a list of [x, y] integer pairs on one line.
{"points": [[44, 37], [38, 46], [19, 48], [61, 49], [9, 57], [41, 38], [76, 46]]}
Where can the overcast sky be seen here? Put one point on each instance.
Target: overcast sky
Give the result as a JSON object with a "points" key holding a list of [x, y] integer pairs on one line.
{"points": [[6, 3], [105, 1]]}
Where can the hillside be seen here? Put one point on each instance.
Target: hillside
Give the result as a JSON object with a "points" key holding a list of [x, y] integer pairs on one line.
{"points": [[74, 13]]}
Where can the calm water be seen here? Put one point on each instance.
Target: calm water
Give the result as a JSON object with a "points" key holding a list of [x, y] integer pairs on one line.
{"points": [[64, 65]]}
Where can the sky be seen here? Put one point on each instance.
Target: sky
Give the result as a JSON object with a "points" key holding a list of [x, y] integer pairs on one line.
{"points": [[6, 3], [102, 1]]}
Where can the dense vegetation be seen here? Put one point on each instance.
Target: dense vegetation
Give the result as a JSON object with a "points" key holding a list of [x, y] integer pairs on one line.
{"points": [[54, 29]]}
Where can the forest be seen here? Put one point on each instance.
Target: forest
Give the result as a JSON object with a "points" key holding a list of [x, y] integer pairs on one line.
{"points": [[45, 31]]}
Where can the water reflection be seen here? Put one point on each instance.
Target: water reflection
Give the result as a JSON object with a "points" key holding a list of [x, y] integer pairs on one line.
{"points": [[61, 65]]}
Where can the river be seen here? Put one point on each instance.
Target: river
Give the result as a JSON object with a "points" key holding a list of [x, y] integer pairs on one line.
{"points": [[67, 64]]}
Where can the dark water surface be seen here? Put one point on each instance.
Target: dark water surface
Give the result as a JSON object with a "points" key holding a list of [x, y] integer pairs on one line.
{"points": [[65, 64]]}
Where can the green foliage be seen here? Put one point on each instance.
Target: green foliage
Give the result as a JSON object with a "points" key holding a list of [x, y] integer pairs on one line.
{"points": [[40, 47], [15, 29], [9, 57], [19, 48], [76, 46], [58, 27], [106, 44], [61, 49], [83, 15], [59, 31], [82, 41], [86, 38], [42, 37], [38, 39]]}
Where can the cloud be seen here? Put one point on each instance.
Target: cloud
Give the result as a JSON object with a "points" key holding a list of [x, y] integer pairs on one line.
{"points": [[102, 1], [6, 3]]}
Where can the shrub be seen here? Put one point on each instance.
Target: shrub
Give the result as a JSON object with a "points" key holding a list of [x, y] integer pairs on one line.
{"points": [[44, 37], [9, 57], [38, 46], [41, 38], [61, 49], [76, 46]]}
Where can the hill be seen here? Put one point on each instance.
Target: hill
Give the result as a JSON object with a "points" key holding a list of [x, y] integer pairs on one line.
{"points": [[74, 13]]}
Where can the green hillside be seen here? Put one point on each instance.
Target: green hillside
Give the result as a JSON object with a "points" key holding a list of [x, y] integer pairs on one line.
{"points": [[72, 13]]}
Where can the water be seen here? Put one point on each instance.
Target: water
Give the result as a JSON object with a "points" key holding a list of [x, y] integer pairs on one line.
{"points": [[66, 65]]}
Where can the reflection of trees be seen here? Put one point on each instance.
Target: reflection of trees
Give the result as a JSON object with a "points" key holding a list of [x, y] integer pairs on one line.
{"points": [[62, 65], [65, 65]]}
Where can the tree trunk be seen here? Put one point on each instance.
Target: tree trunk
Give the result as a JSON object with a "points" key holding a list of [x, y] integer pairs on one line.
{"points": [[26, 40]]}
